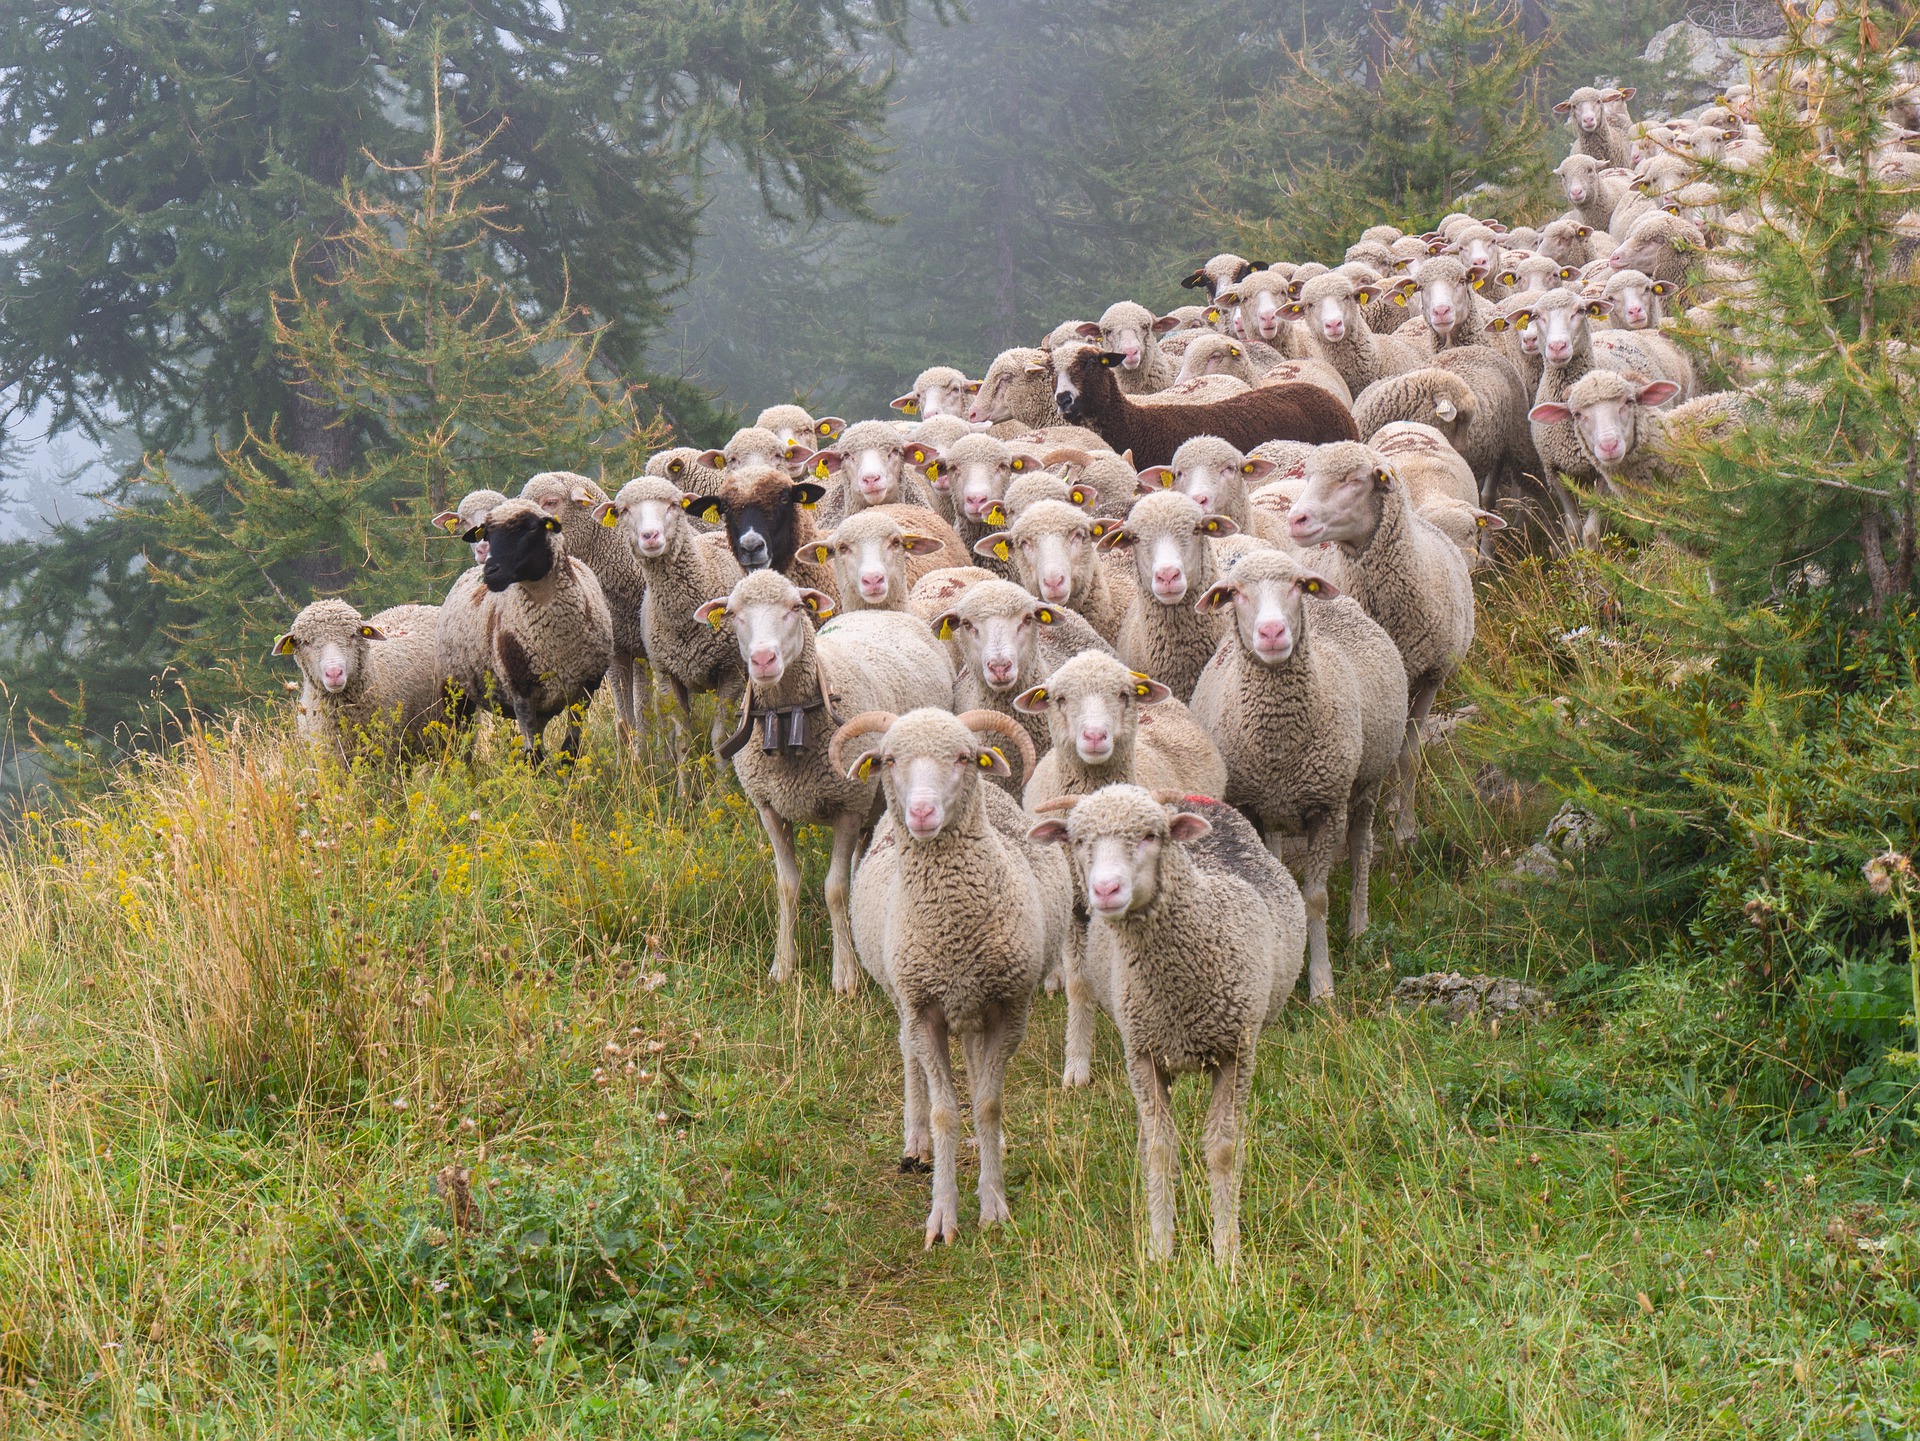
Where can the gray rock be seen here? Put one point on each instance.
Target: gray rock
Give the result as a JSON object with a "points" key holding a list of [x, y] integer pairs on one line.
{"points": [[1572, 830], [1537, 861], [1713, 56], [1458, 998]]}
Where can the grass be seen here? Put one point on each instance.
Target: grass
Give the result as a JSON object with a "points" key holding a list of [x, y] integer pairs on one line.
{"points": [[433, 1104]]}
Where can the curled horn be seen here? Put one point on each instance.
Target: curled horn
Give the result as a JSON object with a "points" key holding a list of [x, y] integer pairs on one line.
{"points": [[1066, 455], [862, 724], [1006, 725], [1058, 806]]}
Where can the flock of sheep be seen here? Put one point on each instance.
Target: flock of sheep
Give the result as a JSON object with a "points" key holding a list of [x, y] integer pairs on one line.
{"points": [[1089, 659]]}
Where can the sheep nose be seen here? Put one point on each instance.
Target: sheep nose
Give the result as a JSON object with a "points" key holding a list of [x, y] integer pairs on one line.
{"points": [[1130, 357], [334, 675], [1094, 738], [1272, 634], [1609, 448], [1106, 892], [1203, 499], [1054, 587], [1558, 349], [1169, 577], [651, 538], [873, 582], [999, 672], [1635, 313], [763, 659], [1334, 329], [1617, 261], [1443, 315], [922, 814]]}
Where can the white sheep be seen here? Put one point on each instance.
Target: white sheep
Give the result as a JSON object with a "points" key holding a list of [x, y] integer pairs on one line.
{"points": [[369, 684]]}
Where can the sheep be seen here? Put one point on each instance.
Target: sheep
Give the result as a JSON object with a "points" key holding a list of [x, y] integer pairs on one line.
{"points": [[1261, 301], [1026, 491], [1591, 189], [1573, 242], [752, 445], [973, 472], [1441, 484], [937, 390], [1085, 389], [1479, 248], [367, 683], [682, 465], [800, 685], [1008, 642], [1051, 549], [769, 521], [796, 429], [1219, 273], [1453, 313], [1513, 318], [681, 568], [1017, 389], [869, 461], [1213, 474], [1194, 946], [879, 553], [1341, 336], [1134, 331], [955, 914], [1487, 397], [1638, 302], [1223, 355], [935, 591], [1661, 247], [1569, 350], [537, 617], [1525, 274], [1107, 724], [471, 511], [1306, 699], [1627, 440], [1594, 135], [1403, 571], [1172, 543], [1659, 176], [573, 500]]}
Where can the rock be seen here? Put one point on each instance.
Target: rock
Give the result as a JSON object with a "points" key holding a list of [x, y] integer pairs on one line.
{"points": [[1711, 57], [1458, 998], [1572, 830], [1537, 861]]}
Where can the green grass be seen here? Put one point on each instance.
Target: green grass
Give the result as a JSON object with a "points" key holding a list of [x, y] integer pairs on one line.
{"points": [[252, 1011]]}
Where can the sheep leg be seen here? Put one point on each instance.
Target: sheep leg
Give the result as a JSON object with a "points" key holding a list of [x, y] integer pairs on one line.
{"points": [[786, 872], [936, 1061], [1406, 772], [570, 739], [1232, 1086], [916, 1151], [1078, 1070], [1323, 836], [1569, 510], [531, 730], [846, 961], [988, 1052], [620, 674], [1157, 1148], [1359, 857]]}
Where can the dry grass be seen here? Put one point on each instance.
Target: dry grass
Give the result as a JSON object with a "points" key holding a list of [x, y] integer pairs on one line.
{"points": [[253, 1010]]}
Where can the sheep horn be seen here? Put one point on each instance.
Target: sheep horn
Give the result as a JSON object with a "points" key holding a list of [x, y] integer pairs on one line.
{"points": [[862, 724], [1059, 805], [1066, 455], [1006, 725]]}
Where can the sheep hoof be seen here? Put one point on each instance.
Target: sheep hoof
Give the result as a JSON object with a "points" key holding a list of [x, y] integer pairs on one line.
{"points": [[942, 1225], [994, 1212], [1054, 981], [1077, 1074]]}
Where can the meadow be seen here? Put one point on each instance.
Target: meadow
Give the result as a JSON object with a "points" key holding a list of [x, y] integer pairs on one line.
{"points": [[456, 1102]]}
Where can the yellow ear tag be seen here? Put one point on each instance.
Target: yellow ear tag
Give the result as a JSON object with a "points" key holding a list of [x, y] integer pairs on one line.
{"points": [[609, 519], [715, 618], [933, 471], [1213, 316], [1038, 697], [946, 629], [1398, 298], [367, 631], [996, 516], [552, 524], [987, 757], [711, 514], [1212, 526], [865, 768], [1098, 529], [283, 646], [1480, 522], [1478, 281], [1002, 550], [821, 554], [1142, 689], [1019, 463], [1313, 587], [1077, 496], [820, 469], [1045, 616], [912, 407], [919, 456]]}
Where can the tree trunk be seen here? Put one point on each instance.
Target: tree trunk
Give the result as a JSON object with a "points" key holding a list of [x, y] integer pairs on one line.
{"points": [[1377, 39]]}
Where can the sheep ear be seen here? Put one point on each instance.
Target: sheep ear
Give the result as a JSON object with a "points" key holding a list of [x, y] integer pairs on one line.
{"points": [[1194, 281], [1111, 358], [919, 544], [1165, 324], [1049, 833], [1155, 477], [906, 404], [550, 523], [446, 520], [806, 493], [1104, 524], [1598, 308], [1220, 526], [1229, 296], [1508, 277], [1487, 520], [993, 763], [282, 644], [1382, 477], [1031, 702], [973, 387], [1087, 330], [707, 508], [1658, 392], [1563, 107], [604, 513], [826, 462], [1046, 615], [993, 547], [1083, 495], [1296, 309], [372, 632], [1313, 583], [1213, 314], [862, 769], [943, 625], [714, 612], [822, 553], [713, 459], [817, 601], [1660, 287], [1550, 412], [1627, 92], [676, 465], [828, 427], [1149, 690], [1214, 596], [1114, 539], [1186, 826], [475, 535], [1256, 469], [938, 475], [1362, 295], [581, 495]]}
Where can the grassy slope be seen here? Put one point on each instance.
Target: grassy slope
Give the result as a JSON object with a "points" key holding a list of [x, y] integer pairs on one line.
{"points": [[251, 1012]]}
